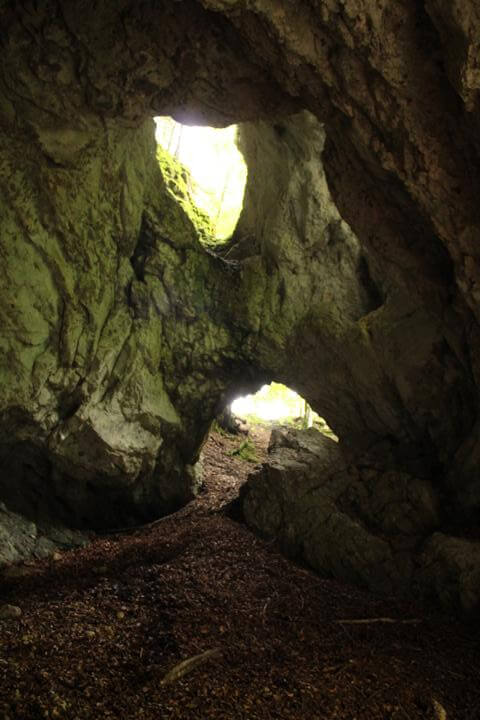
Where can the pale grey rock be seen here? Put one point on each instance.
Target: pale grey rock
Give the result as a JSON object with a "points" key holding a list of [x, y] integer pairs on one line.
{"points": [[18, 537], [21, 539], [350, 520]]}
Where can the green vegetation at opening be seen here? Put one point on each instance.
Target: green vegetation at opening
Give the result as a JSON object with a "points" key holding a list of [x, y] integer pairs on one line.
{"points": [[211, 174], [246, 451], [276, 403]]}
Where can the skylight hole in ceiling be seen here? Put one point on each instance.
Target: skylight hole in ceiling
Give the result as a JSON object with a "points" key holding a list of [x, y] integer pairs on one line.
{"points": [[216, 167]]}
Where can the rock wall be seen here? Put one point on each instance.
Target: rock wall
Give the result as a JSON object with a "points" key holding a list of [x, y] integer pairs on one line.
{"points": [[118, 337], [397, 88], [122, 335], [350, 518], [358, 343], [69, 232]]}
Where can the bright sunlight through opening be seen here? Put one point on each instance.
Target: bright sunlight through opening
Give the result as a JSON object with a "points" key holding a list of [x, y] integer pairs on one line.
{"points": [[278, 403], [218, 171]]}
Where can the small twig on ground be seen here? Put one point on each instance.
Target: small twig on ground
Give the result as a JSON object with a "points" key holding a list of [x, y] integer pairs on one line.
{"points": [[439, 710], [367, 621], [188, 665], [264, 611], [339, 666]]}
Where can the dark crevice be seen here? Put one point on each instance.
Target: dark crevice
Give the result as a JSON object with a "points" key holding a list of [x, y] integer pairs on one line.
{"points": [[144, 249], [366, 281]]}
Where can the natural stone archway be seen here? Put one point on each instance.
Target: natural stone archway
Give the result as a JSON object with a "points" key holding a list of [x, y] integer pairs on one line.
{"points": [[121, 335], [351, 352], [375, 360]]}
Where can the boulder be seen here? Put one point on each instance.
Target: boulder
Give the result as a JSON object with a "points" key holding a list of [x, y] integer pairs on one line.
{"points": [[21, 539], [450, 569], [352, 520]]}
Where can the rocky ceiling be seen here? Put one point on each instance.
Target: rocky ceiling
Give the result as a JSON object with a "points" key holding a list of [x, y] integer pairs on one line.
{"points": [[121, 335]]}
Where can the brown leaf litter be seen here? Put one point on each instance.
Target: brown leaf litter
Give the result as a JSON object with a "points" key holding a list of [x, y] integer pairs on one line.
{"points": [[195, 617]]}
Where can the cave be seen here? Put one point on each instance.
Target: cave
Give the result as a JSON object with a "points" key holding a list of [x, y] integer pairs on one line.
{"points": [[352, 275]]}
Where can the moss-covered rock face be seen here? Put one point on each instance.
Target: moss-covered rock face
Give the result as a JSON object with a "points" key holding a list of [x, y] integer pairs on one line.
{"points": [[121, 333], [119, 337], [177, 181], [68, 235]]}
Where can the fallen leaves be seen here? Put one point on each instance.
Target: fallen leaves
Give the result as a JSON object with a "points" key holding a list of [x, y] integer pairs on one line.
{"points": [[100, 631]]}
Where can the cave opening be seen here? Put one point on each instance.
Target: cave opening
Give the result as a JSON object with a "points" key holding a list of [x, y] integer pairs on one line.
{"points": [[277, 404], [209, 171]]}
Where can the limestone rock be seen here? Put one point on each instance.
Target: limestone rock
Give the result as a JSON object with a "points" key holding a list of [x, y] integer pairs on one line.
{"points": [[17, 537], [450, 566], [364, 349], [94, 438], [21, 539], [345, 517]]}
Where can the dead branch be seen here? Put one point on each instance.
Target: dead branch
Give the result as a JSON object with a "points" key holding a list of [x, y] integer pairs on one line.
{"points": [[188, 665], [339, 666], [368, 621]]}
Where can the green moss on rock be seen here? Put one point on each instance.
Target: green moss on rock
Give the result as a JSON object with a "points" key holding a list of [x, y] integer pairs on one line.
{"points": [[178, 182]]}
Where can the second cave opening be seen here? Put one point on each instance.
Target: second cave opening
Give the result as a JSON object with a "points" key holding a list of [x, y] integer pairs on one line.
{"points": [[278, 404]]}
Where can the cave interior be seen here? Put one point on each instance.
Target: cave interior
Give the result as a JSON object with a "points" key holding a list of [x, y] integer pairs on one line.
{"points": [[352, 274]]}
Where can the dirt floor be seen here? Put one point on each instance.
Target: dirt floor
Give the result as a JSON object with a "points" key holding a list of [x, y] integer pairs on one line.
{"points": [[102, 628]]}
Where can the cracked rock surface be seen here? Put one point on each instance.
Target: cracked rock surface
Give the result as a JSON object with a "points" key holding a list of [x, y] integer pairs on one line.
{"points": [[351, 519]]}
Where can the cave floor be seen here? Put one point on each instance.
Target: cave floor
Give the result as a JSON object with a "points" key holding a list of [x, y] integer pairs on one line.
{"points": [[102, 626]]}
